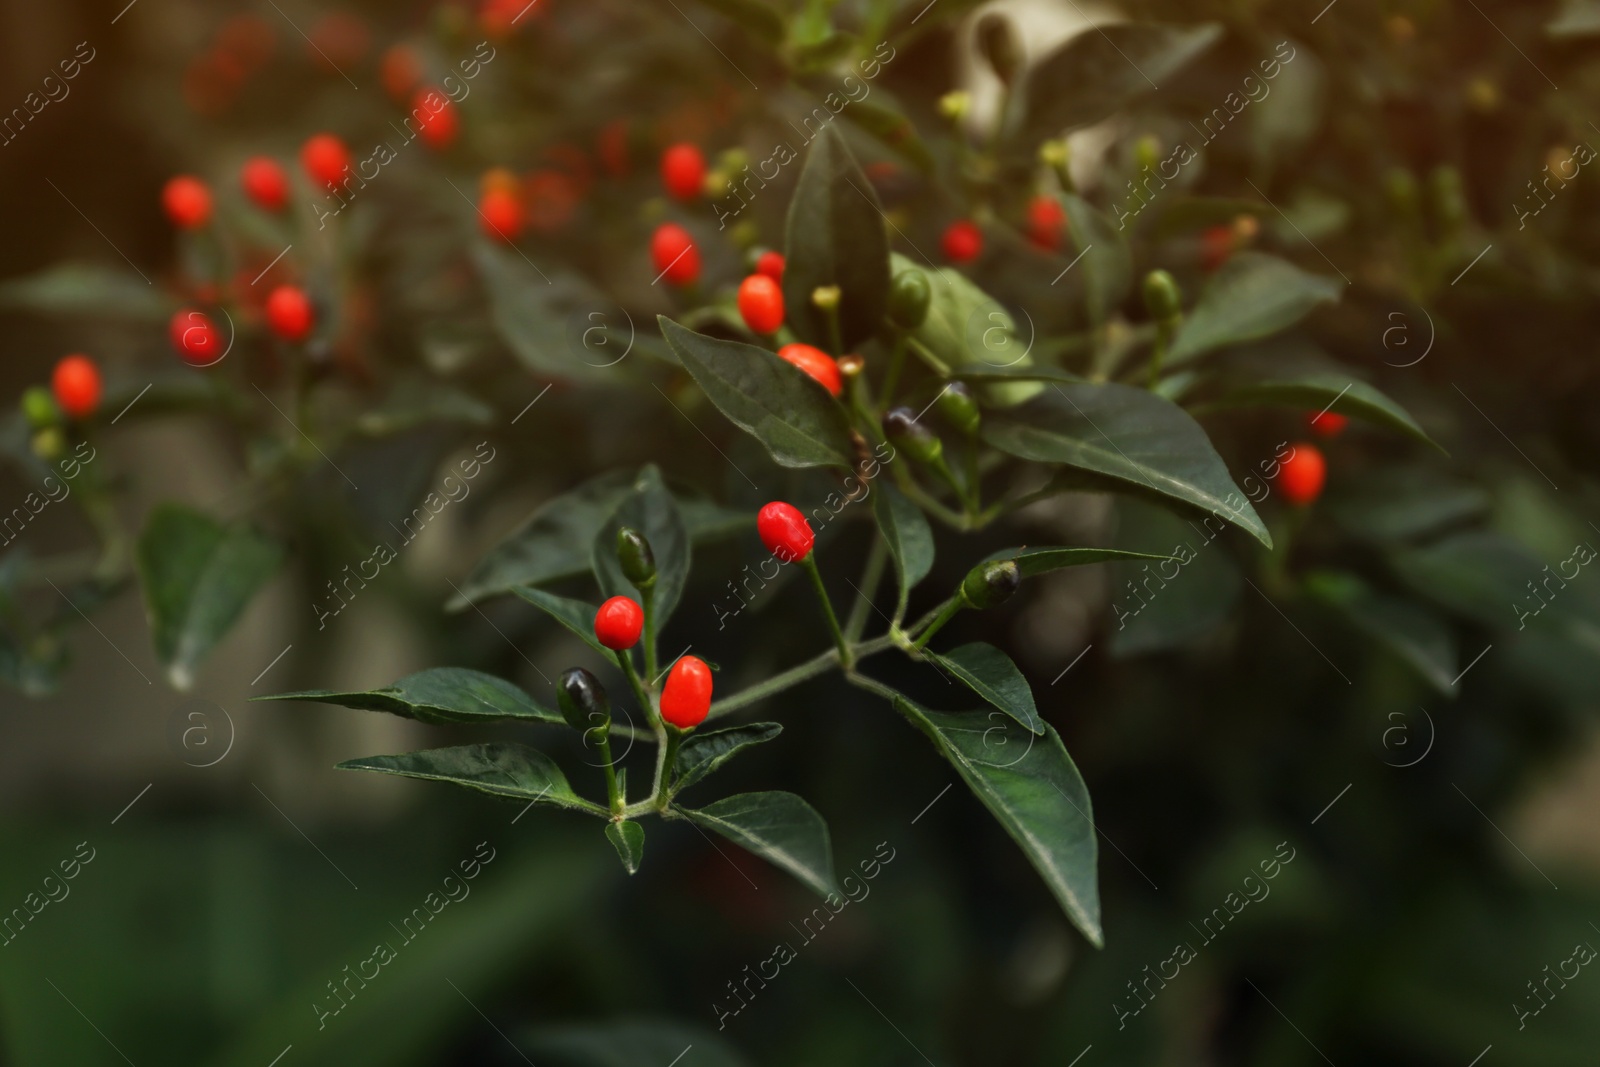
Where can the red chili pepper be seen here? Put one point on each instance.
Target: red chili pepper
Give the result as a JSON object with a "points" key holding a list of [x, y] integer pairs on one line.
{"points": [[325, 159], [785, 531], [500, 214], [265, 182], [683, 171], [76, 384], [761, 304], [962, 241], [187, 202], [618, 623], [686, 698], [771, 264], [676, 257], [194, 337], [1301, 476], [1326, 423], [289, 313], [815, 362]]}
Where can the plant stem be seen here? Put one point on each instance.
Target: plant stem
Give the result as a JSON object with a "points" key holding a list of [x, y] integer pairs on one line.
{"points": [[846, 657], [837, 339], [946, 613], [939, 366], [812, 667], [616, 800], [640, 694], [669, 757], [871, 575], [897, 360], [648, 595]]}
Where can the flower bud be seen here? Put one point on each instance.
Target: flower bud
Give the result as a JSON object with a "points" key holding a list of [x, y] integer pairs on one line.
{"points": [[637, 560], [991, 583], [1161, 296], [583, 701], [960, 407], [825, 297], [1147, 152], [49, 444], [39, 408], [909, 298], [955, 105], [850, 366], [1449, 198], [909, 435]]}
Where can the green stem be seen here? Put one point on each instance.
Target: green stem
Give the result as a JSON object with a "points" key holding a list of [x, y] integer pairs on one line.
{"points": [[946, 613], [846, 657], [871, 575], [897, 361], [812, 667], [949, 516], [648, 595], [939, 366], [616, 800], [669, 757], [639, 692], [837, 339]]}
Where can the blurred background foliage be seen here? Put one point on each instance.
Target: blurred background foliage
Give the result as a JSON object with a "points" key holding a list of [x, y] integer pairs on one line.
{"points": [[1401, 150]]}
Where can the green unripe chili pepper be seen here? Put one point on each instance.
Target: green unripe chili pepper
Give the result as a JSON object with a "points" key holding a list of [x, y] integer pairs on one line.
{"points": [[637, 560], [909, 298], [906, 433], [39, 408], [990, 583], [960, 408], [1161, 296]]}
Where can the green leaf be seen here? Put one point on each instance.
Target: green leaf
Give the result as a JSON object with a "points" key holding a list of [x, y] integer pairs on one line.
{"points": [[762, 20], [989, 672], [1118, 437], [835, 236], [532, 313], [1102, 71], [78, 289], [627, 838], [972, 333], [1031, 785], [652, 511], [773, 401], [1252, 296], [1494, 580], [706, 750], [1295, 374], [1393, 504], [556, 541], [439, 695], [781, 828], [1186, 214], [909, 537], [1020, 373], [575, 615], [1179, 600], [418, 401], [499, 768], [1107, 267], [1032, 562], [198, 578], [1421, 639], [708, 521]]}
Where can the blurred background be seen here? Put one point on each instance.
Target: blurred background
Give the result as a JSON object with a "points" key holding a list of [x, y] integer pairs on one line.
{"points": [[1428, 787]]}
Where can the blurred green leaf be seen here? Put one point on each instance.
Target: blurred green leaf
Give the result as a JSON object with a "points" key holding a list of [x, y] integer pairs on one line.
{"points": [[78, 289], [630, 1044], [781, 828], [761, 19], [439, 695], [1253, 296], [198, 577], [973, 334], [989, 672], [1034, 789], [768, 398], [1413, 633], [1404, 503], [909, 537], [575, 615], [1107, 261], [1032, 562], [703, 751], [835, 235], [1104, 70], [415, 401], [499, 768], [1123, 439], [533, 312]]}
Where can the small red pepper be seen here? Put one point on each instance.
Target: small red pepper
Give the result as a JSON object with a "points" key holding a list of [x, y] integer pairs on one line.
{"points": [[618, 623], [785, 531], [686, 698], [1301, 476]]}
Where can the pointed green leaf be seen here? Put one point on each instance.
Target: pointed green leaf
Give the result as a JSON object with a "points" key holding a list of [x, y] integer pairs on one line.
{"points": [[575, 615], [989, 672], [1032, 562], [1020, 373], [705, 750], [628, 839], [556, 541], [1117, 437], [909, 537], [649, 509], [1405, 503], [774, 401], [499, 768], [531, 312], [198, 578], [1099, 73], [439, 695], [835, 236], [781, 828], [1107, 267], [973, 335], [82, 290], [1032, 786], [760, 18], [1252, 296]]}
